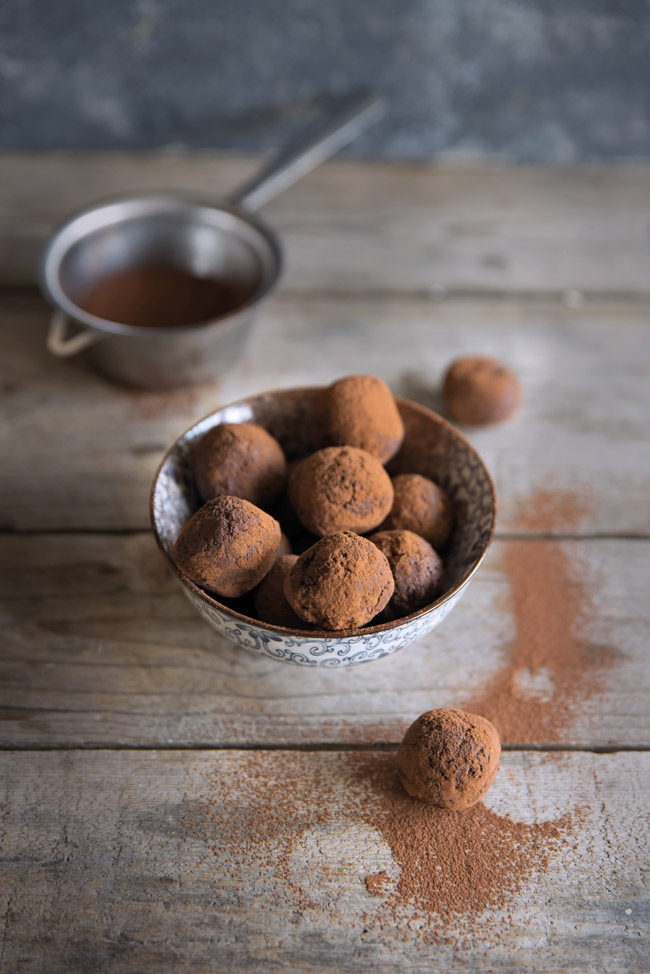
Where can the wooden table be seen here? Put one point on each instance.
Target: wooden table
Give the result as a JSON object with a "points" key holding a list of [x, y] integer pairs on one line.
{"points": [[145, 759]]}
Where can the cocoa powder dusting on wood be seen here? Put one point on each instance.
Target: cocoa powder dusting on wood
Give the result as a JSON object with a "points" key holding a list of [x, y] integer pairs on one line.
{"points": [[379, 884], [445, 867], [553, 511], [454, 864], [551, 666]]}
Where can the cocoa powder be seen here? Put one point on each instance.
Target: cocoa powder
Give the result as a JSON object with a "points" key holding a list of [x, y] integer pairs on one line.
{"points": [[161, 296], [447, 867], [454, 863], [551, 605]]}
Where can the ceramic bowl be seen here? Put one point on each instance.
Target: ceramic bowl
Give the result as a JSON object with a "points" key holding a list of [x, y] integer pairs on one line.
{"points": [[432, 447]]}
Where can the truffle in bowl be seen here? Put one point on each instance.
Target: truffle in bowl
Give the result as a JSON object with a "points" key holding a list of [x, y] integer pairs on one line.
{"points": [[431, 448]]}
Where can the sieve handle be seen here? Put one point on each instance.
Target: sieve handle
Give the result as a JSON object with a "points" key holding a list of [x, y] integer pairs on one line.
{"points": [[347, 119], [61, 346]]}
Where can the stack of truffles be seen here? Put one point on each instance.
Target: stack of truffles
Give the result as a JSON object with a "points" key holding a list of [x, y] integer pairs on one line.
{"points": [[367, 547]]}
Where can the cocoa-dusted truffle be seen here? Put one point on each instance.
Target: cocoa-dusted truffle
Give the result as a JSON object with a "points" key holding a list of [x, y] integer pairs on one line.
{"points": [[228, 546], [239, 460], [417, 571], [420, 506], [478, 391], [340, 488], [270, 601], [359, 410], [341, 582], [449, 758]]}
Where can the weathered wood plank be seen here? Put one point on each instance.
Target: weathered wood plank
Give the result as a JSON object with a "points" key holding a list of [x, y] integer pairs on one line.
{"points": [[81, 453], [149, 861], [359, 226], [100, 647]]}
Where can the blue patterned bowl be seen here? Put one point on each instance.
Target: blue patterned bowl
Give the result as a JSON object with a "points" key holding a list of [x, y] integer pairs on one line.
{"points": [[432, 447]]}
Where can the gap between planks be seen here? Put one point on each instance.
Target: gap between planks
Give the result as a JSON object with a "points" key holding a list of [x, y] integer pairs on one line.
{"points": [[551, 299], [332, 747]]}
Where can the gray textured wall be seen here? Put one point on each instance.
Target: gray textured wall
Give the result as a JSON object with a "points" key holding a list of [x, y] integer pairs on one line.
{"points": [[543, 80]]}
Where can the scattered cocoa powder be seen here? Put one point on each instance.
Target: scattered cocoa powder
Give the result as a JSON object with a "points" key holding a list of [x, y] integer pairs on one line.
{"points": [[550, 604], [454, 863], [379, 884], [447, 867], [549, 511]]}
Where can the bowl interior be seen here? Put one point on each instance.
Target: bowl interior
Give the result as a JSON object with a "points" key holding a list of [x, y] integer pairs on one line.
{"points": [[432, 447], [208, 242]]}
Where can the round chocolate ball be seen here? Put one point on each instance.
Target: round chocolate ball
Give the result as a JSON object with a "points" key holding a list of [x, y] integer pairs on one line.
{"points": [[228, 546], [239, 460], [421, 506], [340, 488], [449, 758], [341, 582], [417, 571], [479, 391], [359, 410], [270, 601]]}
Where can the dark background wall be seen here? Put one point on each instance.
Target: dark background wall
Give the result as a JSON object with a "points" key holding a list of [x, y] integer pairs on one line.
{"points": [[542, 80]]}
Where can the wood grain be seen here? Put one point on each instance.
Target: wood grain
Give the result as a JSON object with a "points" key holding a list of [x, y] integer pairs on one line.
{"points": [[81, 453], [194, 859], [130, 862], [359, 227], [102, 648]]}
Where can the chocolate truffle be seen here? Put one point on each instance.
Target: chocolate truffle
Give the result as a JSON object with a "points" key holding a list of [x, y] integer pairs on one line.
{"points": [[420, 506], [359, 410], [340, 488], [478, 391], [228, 546], [239, 460], [341, 582], [417, 571], [449, 758], [270, 601]]}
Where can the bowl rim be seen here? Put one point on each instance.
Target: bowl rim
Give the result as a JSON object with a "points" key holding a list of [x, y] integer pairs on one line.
{"points": [[323, 634]]}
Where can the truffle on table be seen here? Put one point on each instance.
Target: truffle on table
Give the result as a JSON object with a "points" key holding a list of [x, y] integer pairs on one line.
{"points": [[479, 391], [417, 571], [421, 506], [270, 601], [342, 582], [340, 488], [359, 410], [228, 546], [239, 460], [449, 758]]}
